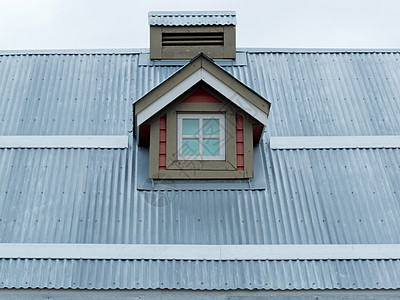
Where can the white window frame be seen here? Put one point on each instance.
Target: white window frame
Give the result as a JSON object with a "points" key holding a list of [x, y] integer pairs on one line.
{"points": [[201, 136]]}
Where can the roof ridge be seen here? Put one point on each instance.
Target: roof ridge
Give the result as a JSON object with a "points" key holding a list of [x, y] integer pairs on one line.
{"points": [[318, 50], [192, 13], [146, 50]]}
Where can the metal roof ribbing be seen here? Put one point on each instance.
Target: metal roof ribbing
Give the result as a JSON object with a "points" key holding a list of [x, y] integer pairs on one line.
{"points": [[311, 93], [89, 196], [191, 18], [84, 94], [66, 94], [329, 93], [200, 275]]}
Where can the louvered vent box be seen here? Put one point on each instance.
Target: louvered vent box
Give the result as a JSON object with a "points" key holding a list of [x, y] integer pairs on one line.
{"points": [[183, 35]]}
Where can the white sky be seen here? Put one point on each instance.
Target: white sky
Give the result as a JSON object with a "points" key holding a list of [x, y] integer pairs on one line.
{"points": [[86, 24]]}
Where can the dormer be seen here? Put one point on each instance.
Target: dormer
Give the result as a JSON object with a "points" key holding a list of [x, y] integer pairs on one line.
{"points": [[200, 123], [183, 35]]}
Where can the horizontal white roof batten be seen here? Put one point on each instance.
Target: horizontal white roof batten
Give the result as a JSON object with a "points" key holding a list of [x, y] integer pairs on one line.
{"points": [[200, 252], [64, 141], [211, 80], [334, 142]]}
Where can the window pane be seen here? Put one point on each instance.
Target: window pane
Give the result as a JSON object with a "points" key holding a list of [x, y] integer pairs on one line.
{"points": [[190, 126], [190, 147], [211, 126], [211, 147]]}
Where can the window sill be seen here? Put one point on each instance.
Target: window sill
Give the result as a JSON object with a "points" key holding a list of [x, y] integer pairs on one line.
{"points": [[201, 165]]}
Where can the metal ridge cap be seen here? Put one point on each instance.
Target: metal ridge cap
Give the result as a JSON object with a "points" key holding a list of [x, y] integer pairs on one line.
{"points": [[75, 51], [200, 252], [192, 13], [146, 50], [318, 50]]}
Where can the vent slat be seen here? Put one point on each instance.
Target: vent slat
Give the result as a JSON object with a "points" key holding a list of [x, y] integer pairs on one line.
{"points": [[192, 37], [183, 39], [164, 34], [192, 43]]}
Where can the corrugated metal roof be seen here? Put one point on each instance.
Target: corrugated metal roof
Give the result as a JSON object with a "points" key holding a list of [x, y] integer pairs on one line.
{"points": [[329, 93], [39, 294], [90, 196], [200, 275], [191, 18], [342, 196], [311, 93], [93, 94]]}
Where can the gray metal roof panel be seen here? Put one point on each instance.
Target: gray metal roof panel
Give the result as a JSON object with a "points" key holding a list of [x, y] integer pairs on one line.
{"points": [[328, 94], [312, 94], [93, 94], [200, 275], [90, 196], [191, 18]]}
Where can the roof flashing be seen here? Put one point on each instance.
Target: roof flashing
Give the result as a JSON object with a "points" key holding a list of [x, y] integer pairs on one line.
{"points": [[334, 142], [239, 61], [63, 141], [200, 252]]}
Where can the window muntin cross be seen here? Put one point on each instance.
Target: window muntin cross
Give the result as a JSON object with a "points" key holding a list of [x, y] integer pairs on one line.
{"points": [[201, 137]]}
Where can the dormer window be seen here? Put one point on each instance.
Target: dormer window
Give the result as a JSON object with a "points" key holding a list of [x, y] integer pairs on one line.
{"points": [[201, 137], [200, 123]]}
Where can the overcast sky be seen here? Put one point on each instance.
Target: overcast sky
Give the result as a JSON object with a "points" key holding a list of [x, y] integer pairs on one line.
{"points": [[85, 24]]}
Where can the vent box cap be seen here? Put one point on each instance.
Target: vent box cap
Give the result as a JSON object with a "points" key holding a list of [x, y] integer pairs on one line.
{"points": [[183, 35]]}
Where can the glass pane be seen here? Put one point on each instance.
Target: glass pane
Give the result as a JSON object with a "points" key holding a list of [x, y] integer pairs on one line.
{"points": [[190, 147], [190, 126], [211, 147], [211, 126]]}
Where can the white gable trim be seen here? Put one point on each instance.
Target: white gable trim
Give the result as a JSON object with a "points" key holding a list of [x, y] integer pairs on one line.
{"points": [[168, 97], [200, 252], [334, 142], [229, 93], [64, 141], [190, 81]]}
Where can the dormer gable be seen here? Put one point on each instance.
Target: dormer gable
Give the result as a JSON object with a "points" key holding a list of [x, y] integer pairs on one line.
{"points": [[200, 123]]}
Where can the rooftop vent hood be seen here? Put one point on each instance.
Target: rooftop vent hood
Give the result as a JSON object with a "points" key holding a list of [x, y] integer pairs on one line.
{"points": [[183, 35]]}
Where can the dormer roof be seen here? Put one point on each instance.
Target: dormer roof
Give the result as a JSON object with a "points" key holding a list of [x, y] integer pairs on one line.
{"points": [[202, 68]]}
